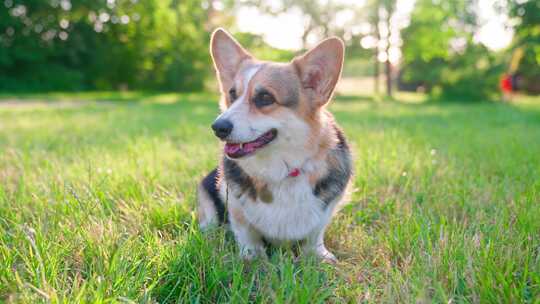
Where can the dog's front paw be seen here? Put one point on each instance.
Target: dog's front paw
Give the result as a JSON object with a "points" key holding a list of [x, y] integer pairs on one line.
{"points": [[326, 256], [249, 253], [322, 253]]}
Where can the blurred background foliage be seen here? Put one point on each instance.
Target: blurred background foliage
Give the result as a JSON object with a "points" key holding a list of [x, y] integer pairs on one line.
{"points": [[441, 56], [74, 45], [68, 45]]}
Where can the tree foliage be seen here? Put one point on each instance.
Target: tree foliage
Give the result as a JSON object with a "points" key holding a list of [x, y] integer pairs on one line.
{"points": [[64, 45], [448, 60], [440, 55], [321, 18], [526, 44], [162, 44]]}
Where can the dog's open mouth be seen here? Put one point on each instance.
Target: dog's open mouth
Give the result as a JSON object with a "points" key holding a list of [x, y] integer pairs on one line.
{"points": [[237, 150]]}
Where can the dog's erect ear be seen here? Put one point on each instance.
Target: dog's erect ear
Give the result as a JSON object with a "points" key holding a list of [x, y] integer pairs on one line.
{"points": [[320, 69], [227, 54]]}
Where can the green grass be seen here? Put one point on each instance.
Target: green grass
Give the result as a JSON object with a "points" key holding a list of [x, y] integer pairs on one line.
{"points": [[97, 203]]}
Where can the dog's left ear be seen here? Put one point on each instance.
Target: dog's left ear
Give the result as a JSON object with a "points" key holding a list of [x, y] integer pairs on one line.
{"points": [[227, 55], [320, 69]]}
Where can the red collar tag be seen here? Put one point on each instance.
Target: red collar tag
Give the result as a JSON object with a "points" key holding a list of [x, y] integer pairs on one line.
{"points": [[294, 173]]}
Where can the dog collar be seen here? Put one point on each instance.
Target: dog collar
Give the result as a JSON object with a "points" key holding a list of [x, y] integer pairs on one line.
{"points": [[294, 173]]}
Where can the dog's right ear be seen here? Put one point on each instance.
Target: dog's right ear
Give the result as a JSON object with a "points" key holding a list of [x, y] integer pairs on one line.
{"points": [[320, 69], [227, 55]]}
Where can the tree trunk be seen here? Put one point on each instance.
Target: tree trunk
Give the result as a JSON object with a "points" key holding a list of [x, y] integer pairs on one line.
{"points": [[210, 14], [388, 65], [376, 69], [388, 71], [307, 30]]}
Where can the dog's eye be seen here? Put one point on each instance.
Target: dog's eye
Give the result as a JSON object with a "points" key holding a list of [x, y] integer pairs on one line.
{"points": [[232, 95], [263, 99]]}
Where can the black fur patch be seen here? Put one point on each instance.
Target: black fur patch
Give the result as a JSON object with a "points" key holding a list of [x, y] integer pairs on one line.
{"points": [[342, 142], [210, 184], [335, 181], [235, 174]]}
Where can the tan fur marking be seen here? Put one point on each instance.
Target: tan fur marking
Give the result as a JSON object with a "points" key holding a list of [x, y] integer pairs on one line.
{"points": [[238, 215], [328, 136], [327, 139], [281, 81], [265, 195], [314, 177], [262, 191]]}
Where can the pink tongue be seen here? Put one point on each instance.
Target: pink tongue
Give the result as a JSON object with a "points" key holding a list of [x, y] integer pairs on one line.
{"points": [[232, 148], [236, 148], [248, 148]]}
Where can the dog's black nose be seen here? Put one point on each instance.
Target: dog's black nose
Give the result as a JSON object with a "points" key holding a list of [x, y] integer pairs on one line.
{"points": [[222, 128]]}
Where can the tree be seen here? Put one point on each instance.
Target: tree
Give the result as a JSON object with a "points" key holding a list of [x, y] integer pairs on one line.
{"points": [[321, 17], [447, 61], [379, 15], [388, 7], [324, 19], [64, 45], [373, 10], [526, 43]]}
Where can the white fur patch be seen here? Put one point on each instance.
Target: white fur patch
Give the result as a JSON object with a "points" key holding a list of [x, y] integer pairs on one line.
{"points": [[207, 211], [285, 153], [294, 213]]}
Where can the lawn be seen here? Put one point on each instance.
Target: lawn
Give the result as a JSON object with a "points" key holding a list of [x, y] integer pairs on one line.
{"points": [[97, 200]]}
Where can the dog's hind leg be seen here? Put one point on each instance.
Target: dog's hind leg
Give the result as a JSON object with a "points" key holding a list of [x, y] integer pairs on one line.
{"points": [[211, 210]]}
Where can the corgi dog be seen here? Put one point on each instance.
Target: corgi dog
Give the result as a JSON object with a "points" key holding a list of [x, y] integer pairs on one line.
{"points": [[286, 164]]}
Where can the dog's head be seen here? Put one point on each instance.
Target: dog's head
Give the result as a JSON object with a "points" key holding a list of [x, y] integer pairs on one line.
{"points": [[267, 104]]}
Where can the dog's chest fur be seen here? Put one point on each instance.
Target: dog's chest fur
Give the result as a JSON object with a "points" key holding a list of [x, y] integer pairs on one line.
{"points": [[282, 211]]}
